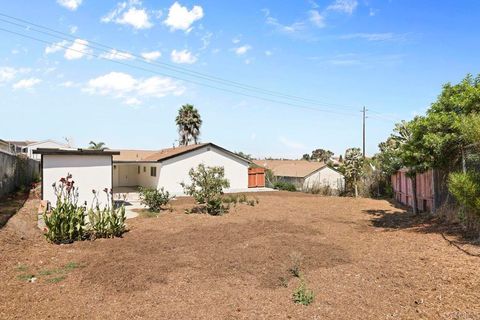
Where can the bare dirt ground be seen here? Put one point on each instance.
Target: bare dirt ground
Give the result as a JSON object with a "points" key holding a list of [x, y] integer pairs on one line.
{"points": [[363, 258]]}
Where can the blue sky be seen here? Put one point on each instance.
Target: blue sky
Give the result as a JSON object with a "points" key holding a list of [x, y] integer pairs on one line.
{"points": [[391, 56]]}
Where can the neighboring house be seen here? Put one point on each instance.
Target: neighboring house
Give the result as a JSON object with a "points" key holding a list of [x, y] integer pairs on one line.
{"points": [[168, 168], [27, 147], [90, 170], [305, 175], [5, 146]]}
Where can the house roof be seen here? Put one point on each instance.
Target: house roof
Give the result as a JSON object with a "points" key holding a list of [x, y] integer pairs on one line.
{"points": [[164, 154], [129, 155], [56, 151], [21, 143], [291, 168]]}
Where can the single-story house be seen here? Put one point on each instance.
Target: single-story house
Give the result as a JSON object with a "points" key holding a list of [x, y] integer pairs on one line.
{"points": [[305, 175], [122, 170], [167, 168], [90, 170], [26, 147]]}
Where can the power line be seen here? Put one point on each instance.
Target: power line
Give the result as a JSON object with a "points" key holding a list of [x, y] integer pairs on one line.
{"points": [[167, 65], [179, 78], [174, 68]]}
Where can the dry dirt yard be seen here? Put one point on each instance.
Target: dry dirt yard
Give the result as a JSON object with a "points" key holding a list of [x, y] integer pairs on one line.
{"points": [[363, 258]]}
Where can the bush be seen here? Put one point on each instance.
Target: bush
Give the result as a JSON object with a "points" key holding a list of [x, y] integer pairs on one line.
{"points": [[108, 222], [303, 295], [66, 221], [465, 187], [207, 187], [154, 199], [286, 186]]}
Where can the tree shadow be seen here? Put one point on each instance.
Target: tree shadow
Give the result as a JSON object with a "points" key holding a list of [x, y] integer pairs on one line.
{"points": [[10, 204], [401, 218]]}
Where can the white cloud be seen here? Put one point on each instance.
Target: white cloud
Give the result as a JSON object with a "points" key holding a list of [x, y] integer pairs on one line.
{"points": [[183, 56], [152, 55], [73, 29], [288, 29], [132, 101], [7, 74], [70, 4], [206, 39], [117, 55], [77, 50], [235, 40], [242, 50], [68, 84], [370, 36], [26, 83], [131, 13], [343, 6], [268, 53], [291, 144], [316, 18], [180, 18], [124, 86], [54, 47]]}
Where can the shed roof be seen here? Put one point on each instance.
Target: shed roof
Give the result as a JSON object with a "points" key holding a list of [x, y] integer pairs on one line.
{"points": [[57, 151], [291, 168]]}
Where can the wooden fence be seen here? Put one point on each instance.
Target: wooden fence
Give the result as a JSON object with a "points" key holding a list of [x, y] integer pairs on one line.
{"points": [[256, 177], [403, 191]]}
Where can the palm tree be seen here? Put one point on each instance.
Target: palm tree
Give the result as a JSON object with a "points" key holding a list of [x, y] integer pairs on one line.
{"points": [[96, 145], [188, 122]]}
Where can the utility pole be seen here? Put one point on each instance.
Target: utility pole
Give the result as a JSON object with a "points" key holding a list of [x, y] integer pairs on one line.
{"points": [[364, 113]]}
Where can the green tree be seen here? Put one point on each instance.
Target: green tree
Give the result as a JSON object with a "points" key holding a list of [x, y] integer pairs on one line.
{"points": [[352, 168], [321, 155], [96, 145], [207, 184], [188, 122], [306, 156]]}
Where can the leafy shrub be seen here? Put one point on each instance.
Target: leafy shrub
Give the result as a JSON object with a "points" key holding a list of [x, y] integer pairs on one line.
{"points": [[66, 221], [303, 295], [154, 199], [465, 187], [286, 186], [108, 222], [207, 187]]}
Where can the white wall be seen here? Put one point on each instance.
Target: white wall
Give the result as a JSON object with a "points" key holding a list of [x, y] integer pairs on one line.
{"points": [[42, 144], [325, 177], [175, 170], [89, 173]]}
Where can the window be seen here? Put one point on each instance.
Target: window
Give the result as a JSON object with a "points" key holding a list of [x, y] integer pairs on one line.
{"points": [[144, 169], [138, 170], [153, 171]]}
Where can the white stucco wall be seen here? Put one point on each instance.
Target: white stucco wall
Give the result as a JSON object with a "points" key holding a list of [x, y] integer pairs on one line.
{"points": [[89, 173], [175, 170], [325, 177]]}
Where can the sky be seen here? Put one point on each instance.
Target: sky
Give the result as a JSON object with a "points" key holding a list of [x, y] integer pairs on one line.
{"points": [[269, 78]]}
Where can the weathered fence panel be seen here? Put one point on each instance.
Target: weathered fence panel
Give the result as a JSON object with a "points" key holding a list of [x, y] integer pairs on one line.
{"points": [[16, 171], [403, 190]]}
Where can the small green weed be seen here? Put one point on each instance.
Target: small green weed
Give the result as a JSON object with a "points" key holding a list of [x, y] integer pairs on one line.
{"points": [[303, 295], [56, 279]]}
